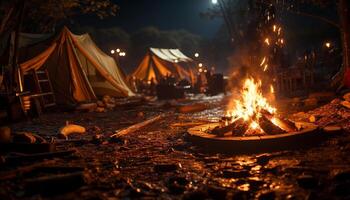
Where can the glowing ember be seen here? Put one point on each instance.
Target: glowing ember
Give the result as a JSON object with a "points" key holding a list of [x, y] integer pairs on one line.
{"points": [[251, 106], [267, 41]]}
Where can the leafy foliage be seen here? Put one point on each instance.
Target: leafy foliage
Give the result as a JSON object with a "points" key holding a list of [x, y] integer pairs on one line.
{"points": [[44, 15]]}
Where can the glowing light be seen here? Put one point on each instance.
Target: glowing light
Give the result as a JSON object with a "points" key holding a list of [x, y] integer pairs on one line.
{"points": [[112, 51], [267, 41], [196, 55], [266, 67], [176, 60], [117, 50], [200, 65], [200, 70], [263, 61], [328, 44], [122, 54], [274, 28], [272, 89], [214, 1]]}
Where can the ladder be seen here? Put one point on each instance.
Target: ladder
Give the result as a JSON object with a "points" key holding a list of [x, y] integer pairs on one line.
{"points": [[45, 91]]}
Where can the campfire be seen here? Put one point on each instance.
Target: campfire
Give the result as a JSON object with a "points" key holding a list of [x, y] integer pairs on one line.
{"points": [[251, 114]]}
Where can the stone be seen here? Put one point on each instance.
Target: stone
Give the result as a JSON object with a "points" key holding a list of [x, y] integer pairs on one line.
{"points": [[307, 181]]}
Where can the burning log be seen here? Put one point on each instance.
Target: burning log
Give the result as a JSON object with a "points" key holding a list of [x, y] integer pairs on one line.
{"points": [[268, 126], [286, 124], [221, 130], [238, 127]]}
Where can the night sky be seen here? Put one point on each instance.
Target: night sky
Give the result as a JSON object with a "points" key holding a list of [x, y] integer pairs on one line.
{"points": [[164, 14]]}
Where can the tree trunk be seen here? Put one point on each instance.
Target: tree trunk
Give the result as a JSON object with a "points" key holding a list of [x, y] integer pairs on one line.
{"points": [[344, 15]]}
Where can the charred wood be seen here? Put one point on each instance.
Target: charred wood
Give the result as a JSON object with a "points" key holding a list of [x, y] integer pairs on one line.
{"points": [[269, 127]]}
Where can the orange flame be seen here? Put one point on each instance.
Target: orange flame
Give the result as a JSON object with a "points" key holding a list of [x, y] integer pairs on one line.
{"points": [[250, 105]]}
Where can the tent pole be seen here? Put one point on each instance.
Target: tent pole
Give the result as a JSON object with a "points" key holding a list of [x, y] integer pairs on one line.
{"points": [[14, 71]]}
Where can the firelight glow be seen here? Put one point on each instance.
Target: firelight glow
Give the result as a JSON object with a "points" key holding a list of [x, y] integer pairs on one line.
{"points": [[250, 105]]}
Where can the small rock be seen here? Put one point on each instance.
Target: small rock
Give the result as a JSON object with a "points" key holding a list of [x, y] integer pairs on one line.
{"points": [[5, 134], [24, 137], [165, 167], [307, 181]]}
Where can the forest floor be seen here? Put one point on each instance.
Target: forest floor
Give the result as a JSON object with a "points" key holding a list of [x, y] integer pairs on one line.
{"points": [[158, 162]]}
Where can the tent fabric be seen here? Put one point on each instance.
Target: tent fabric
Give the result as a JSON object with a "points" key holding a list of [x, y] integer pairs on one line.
{"points": [[151, 68], [180, 56], [72, 60], [103, 63], [158, 63]]}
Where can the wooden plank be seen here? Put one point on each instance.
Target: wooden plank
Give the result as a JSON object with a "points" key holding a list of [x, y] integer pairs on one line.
{"points": [[136, 127]]}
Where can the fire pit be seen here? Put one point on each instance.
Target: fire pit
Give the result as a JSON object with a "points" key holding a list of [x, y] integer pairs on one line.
{"points": [[251, 124], [201, 136]]}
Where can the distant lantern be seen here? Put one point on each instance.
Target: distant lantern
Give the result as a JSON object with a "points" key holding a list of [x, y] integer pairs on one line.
{"points": [[328, 44], [196, 55], [112, 51], [200, 70], [176, 60], [118, 50], [200, 65]]}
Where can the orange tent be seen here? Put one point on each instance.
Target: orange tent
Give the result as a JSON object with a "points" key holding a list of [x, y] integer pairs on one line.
{"points": [[158, 63], [78, 69]]}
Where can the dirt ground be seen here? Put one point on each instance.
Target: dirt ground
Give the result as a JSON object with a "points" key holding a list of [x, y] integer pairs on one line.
{"points": [[157, 162]]}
